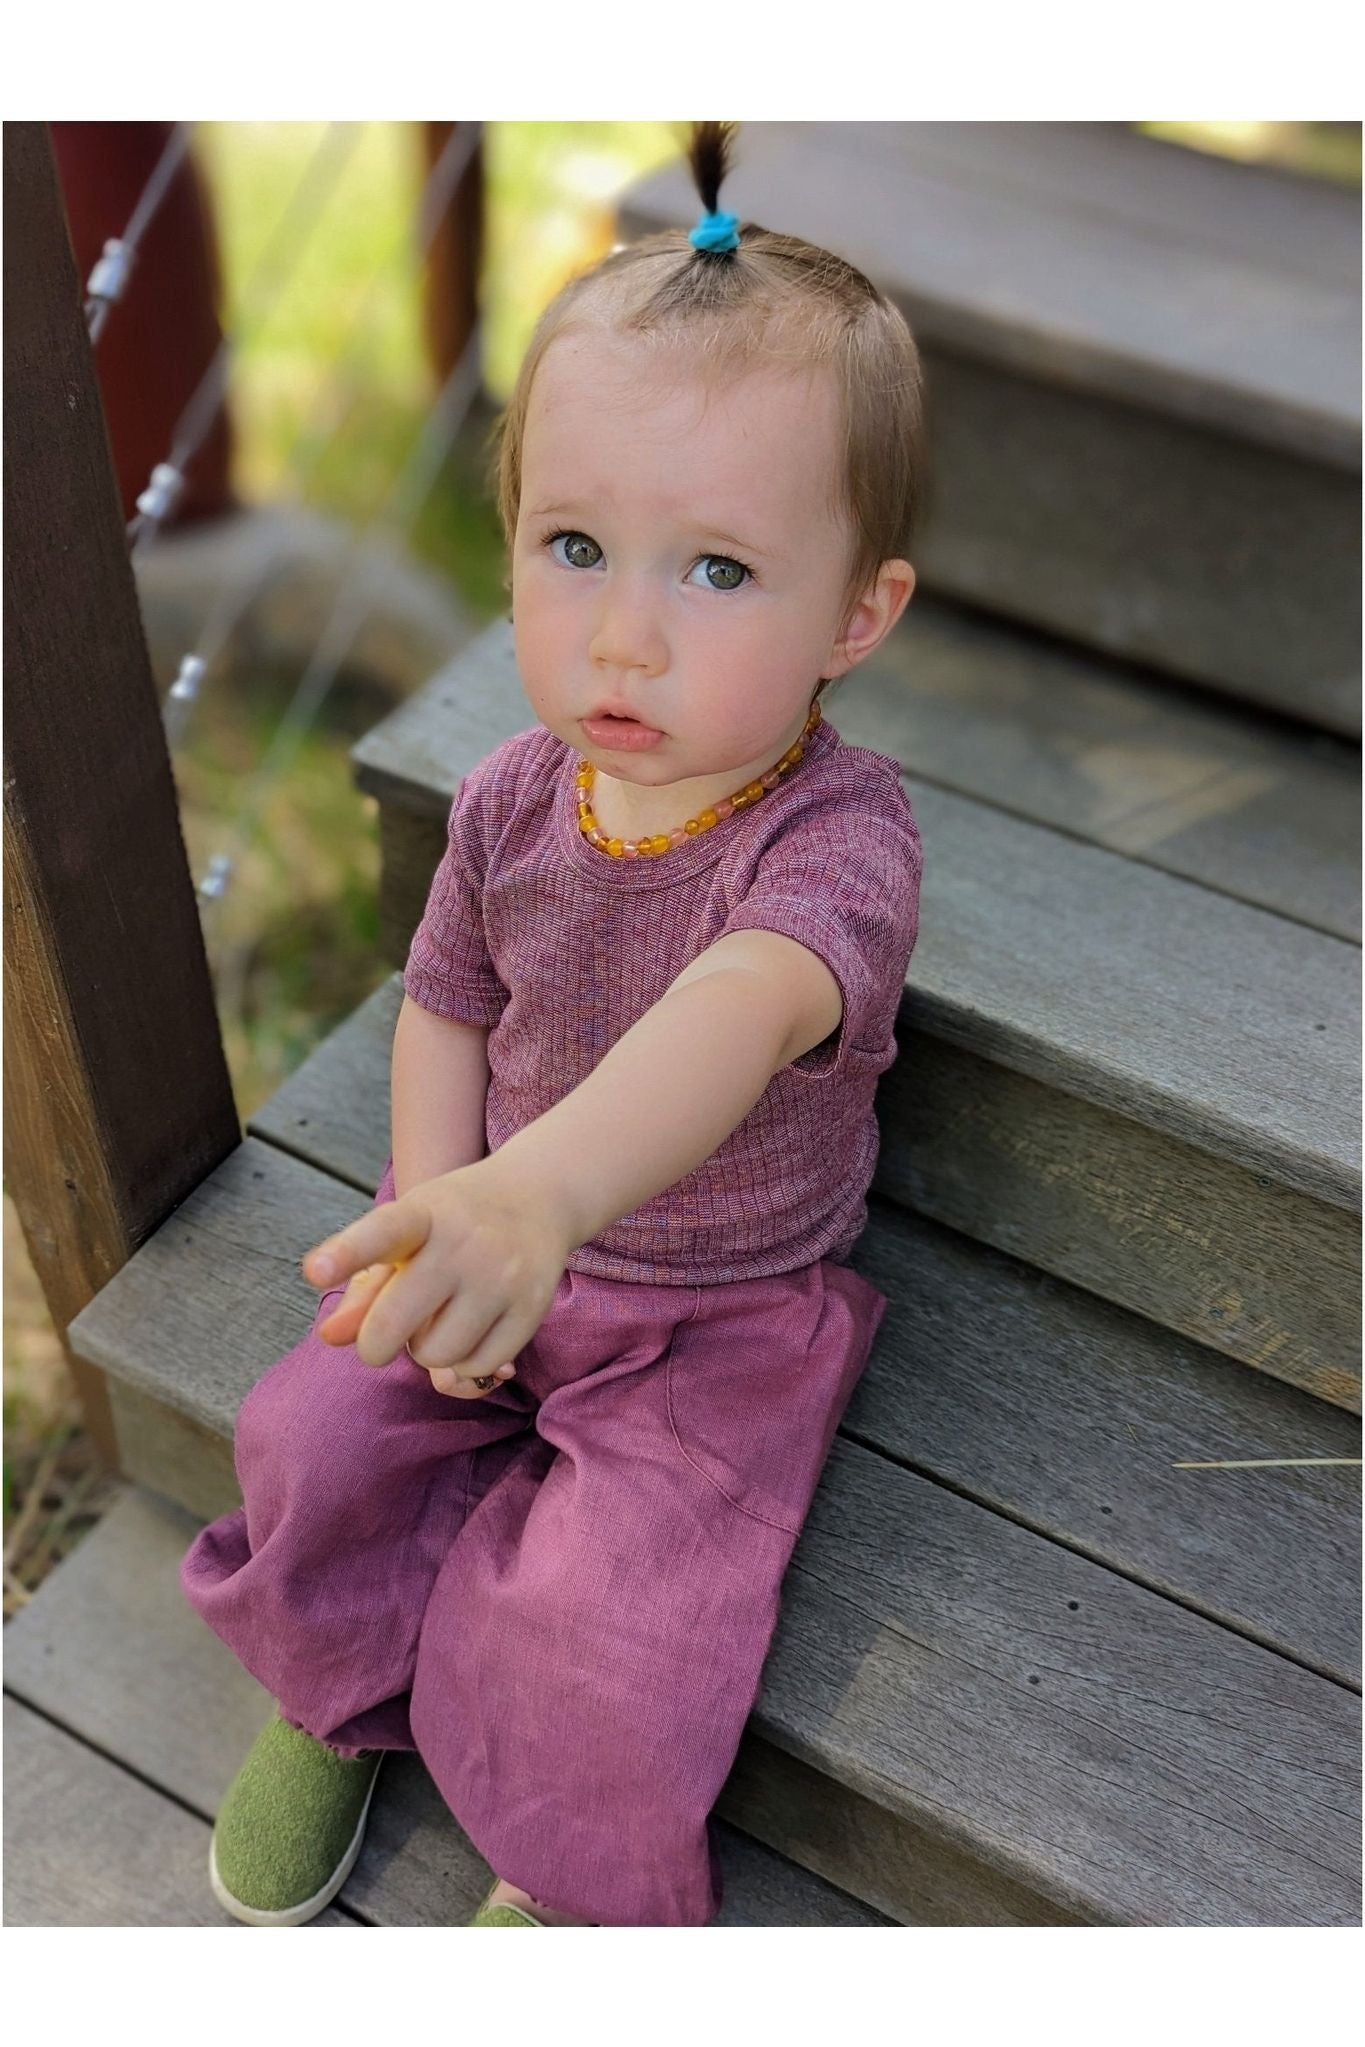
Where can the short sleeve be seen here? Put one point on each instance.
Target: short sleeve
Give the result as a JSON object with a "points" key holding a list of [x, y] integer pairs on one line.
{"points": [[449, 970], [845, 883]]}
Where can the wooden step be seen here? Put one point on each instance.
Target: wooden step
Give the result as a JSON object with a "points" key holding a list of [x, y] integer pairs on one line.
{"points": [[1142, 373], [994, 1683], [147, 1716], [1115, 1067], [88, 1843]]}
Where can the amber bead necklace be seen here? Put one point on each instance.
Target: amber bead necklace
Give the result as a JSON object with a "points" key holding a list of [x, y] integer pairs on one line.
{"points": [[655, 843]]}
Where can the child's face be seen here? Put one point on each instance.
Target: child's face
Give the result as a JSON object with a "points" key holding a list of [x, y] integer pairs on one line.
{"points": [[662, 486]]}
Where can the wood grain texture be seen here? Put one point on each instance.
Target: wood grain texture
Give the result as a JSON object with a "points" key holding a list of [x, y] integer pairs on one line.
{"points": [[112, 1649], [1133, 1397], [1209, 560], [1249, 806], [1069, 1415], [951, 1563], [172, 1455], [88, 1845], [1128, 442], [1130, 1761], [1254, 1270], [856, 1844]]}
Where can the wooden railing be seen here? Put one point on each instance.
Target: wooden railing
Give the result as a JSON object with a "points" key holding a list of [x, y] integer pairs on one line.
{"points": [[117, 1094]]}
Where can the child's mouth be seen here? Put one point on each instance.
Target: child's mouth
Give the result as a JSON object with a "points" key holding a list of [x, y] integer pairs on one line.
{"points": [[623, 733]]}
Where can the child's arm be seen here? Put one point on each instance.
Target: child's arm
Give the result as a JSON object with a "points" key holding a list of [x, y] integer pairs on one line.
{"points": [[675, 1085], [438, 1095], [484, 1247], [438, 1098]]}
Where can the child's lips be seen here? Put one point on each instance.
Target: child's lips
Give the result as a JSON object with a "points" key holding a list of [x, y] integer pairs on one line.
{"points": [[625, 735]]}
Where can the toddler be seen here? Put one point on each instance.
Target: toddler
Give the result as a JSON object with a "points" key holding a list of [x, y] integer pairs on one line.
{"points": [[523, 1499]]}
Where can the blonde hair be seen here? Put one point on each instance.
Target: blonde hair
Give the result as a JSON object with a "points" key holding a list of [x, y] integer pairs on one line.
{"points": [[773, 300]]}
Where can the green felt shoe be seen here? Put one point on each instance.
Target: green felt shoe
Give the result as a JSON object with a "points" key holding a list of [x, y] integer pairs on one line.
{"points": [[490, 1914], [290, 1827]]}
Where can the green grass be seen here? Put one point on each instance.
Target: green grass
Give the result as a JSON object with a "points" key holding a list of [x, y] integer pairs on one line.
{"points": [[344, 334]]}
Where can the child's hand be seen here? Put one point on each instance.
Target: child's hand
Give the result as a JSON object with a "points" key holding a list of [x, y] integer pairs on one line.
{"points": [[465, 1266]]}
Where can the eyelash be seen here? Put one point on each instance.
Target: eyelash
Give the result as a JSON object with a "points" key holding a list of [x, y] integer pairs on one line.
{"points": [[563, 533]]}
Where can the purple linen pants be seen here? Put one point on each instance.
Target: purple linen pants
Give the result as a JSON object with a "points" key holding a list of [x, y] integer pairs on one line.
{"points": [[561, 1595]]}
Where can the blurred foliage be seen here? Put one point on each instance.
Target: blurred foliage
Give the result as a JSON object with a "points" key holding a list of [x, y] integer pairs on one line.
{"points": [[1318, 149], [335, 341]]}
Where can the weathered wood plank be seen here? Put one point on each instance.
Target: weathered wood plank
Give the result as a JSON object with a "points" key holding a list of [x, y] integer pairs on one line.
{"points": [[1095, 973], [1260, 214], [1204, 559], [218, 1293], [172, 1454], [963, 1548], [899, 1867], [1055, 1402], [1127, 441], [1070, 1416], [88, 1845], [1260, 810], [1131, 1761], [1254, 1270], [112, 1649]]}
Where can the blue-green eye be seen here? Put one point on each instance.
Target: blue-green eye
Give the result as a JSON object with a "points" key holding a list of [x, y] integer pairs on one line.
{"points": [[581, 551], [732, 574]]}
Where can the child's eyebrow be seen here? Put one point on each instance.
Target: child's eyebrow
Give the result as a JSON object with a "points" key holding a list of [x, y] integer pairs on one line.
{"points": [[573, 510]]}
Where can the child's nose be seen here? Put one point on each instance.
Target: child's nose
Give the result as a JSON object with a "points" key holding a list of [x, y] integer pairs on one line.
{"points": [[628, 632]]}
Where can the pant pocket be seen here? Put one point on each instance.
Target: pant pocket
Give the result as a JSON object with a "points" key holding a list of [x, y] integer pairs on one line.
{"points": [[758, 1380]]}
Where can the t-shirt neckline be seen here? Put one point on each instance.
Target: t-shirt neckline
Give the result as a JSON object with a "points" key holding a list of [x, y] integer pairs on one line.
{"points": [[680, 863]]}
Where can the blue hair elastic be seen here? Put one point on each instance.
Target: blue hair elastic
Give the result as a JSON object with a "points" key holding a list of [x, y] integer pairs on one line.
{"points": [[716, 231]]}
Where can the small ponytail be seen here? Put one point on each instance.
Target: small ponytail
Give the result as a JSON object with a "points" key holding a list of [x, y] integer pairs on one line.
{"points": [[716, 233]]}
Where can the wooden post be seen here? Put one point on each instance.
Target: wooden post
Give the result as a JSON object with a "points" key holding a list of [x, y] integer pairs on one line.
{"points": [[118, 1099], [451, 293]]}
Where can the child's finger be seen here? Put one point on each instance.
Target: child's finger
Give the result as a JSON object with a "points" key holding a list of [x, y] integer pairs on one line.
{"points": [[462, 1387], [391, 1233], [343, 1324]]}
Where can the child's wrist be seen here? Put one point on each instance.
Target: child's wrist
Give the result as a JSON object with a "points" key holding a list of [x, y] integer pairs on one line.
{"points": [[526, 1177]]}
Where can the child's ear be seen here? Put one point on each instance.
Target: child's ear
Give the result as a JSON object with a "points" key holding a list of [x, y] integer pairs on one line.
{"points": [[875, 613]]}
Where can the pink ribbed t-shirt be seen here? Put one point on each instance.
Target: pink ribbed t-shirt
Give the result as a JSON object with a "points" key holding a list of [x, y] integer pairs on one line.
{"points": [[560, 948]]}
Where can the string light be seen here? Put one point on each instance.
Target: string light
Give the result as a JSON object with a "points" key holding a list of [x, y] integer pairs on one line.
{"points": [[167, 480]]}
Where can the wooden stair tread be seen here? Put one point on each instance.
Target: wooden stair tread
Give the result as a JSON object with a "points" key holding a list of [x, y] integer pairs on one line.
{"points": [[88, 1844], [111, 1649], [1175, 974], [1140, 1765], [1214, 791], [1034, 1397], [946, 1565], [1113, 263]]}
